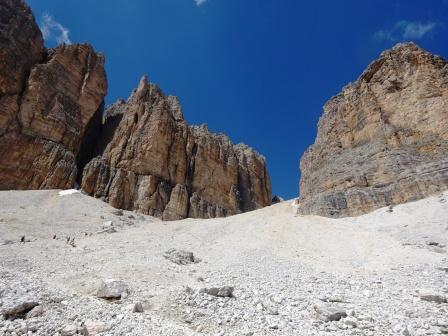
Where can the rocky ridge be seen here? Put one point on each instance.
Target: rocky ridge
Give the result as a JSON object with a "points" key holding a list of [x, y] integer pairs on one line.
{"points": [[383, 140], [144, 157], [149, 159]]}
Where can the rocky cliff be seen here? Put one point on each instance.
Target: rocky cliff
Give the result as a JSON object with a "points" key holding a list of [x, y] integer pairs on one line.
{"points": [[48, 99], [144, 157], [149, 159], [383, 140]]}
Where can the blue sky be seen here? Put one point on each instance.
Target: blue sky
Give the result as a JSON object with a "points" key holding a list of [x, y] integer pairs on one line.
{"points": [[257, 70]]}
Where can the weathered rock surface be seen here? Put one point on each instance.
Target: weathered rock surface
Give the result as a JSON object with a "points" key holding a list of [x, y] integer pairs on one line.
{"points": [[112, 289], [21, 46], [181, 257], [149, 159], [48, 100], [146, 158], [225, 291], [329, 313], [432, 296], [19, 307], [383, 140], [91, 328]]}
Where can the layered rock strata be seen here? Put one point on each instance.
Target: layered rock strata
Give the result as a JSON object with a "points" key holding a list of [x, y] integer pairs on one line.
{"points": [[149, 159], [144, 157], [47, 101], [383, 140]]}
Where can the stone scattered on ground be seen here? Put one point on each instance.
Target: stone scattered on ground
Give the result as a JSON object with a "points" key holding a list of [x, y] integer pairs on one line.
{"points": [[181, 257], [280, 265], [91, 328], [329, 312], [138, 308], [118, 212], [108, 227], [112, 289], [225, 291], [70, 330], [18, 308], [35, 312], [432, 296]]}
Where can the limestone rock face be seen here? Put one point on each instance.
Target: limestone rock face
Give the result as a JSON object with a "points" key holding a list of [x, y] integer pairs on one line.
{"points": [[48, 99], [144, 157], [149, 159], [383, 140], [21, 45]]}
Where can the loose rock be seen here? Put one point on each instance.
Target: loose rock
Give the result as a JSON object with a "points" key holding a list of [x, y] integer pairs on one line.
{"points": [[19, 308], [112, 289], [91, 328], [138, 308], [329, 313], [181, 257], [433, 297], [226, 291]]}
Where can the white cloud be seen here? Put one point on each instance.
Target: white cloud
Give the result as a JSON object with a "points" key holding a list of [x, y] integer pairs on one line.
{"points": [[199, 2], [406, 30], [53, 30], [416, 30]]}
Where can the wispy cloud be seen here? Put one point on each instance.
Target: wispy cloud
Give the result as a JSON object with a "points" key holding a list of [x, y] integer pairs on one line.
{"points": [[406, 30], [53, 30], [200, 2]]}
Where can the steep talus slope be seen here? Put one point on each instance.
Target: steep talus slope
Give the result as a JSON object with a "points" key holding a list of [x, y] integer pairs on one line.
{"points": [[149, 159], [47, 100], [386, 270], [383, 140]]}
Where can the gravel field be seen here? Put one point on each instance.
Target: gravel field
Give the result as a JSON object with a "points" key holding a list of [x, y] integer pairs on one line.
{"points": [[72, 265]]}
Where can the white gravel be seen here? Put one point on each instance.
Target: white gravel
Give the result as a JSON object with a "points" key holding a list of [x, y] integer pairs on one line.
{"points": [[384, 273]]}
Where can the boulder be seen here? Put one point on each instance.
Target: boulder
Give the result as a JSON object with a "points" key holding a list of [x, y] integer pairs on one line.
{"points": [[432, 296], [18, 308], [277, 199], [181, 257], [138, 308], [330, 313], [112, 289], [91, 328], [35, 312], [225, 291], [69, 330]]}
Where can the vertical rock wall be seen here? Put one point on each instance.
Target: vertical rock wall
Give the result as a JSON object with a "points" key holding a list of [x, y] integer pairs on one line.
{"points": [[47, 98], [383, 140], [149, 159]]}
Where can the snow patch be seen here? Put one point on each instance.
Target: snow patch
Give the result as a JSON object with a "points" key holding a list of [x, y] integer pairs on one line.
{"points": [[68, 192]]}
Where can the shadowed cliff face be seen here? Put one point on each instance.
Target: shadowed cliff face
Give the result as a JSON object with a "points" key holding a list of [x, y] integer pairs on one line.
{"points": [[383, 140], [149, 159], [47, 99]]}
